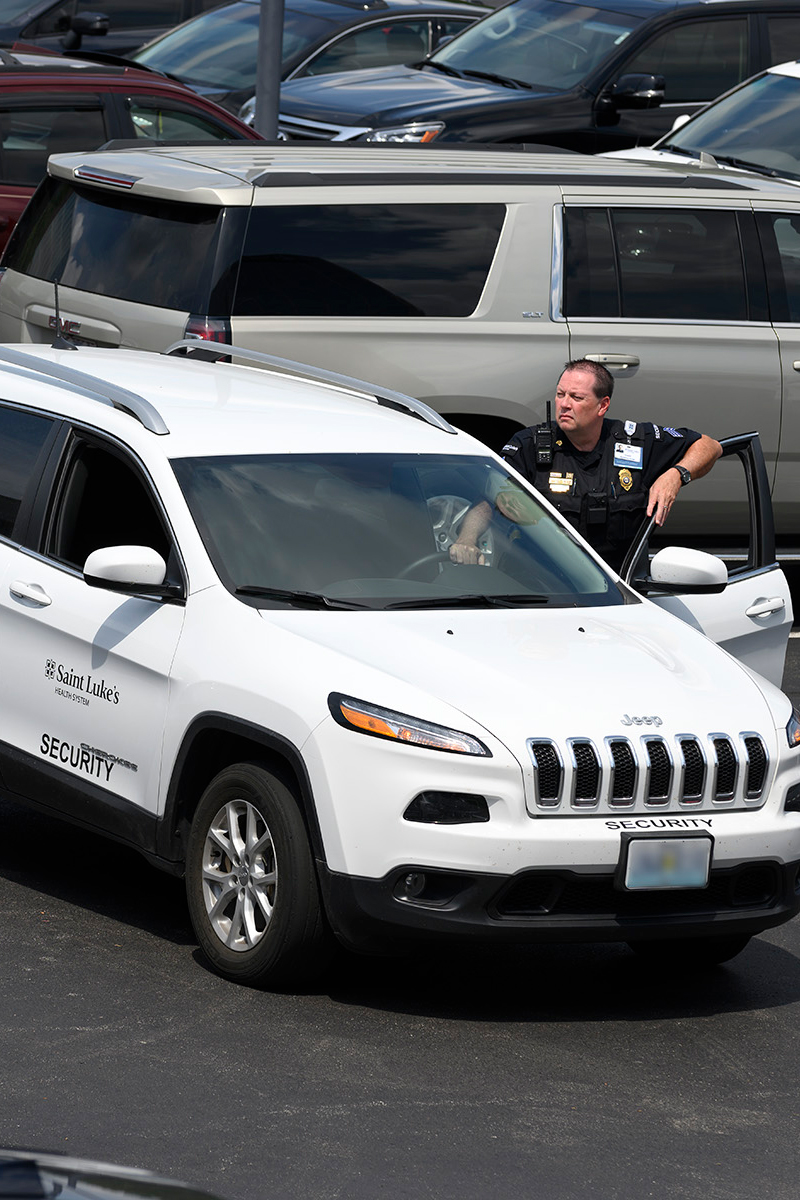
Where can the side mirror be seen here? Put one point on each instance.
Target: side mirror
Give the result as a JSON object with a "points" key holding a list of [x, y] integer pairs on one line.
{"points": [[84, 24], [637, 91], [682, 569], [130, 569]]}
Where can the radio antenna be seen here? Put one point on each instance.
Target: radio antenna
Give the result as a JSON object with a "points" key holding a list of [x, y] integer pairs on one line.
{"points": [[60, 342]]}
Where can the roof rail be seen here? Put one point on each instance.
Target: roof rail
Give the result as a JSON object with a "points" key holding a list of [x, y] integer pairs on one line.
{"points": [[96, 389], [212, 351]]}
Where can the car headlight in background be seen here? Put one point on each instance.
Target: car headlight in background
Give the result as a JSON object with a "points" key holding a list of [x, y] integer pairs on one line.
{"points": [[793, 728], [407, 133], [399, 727]]}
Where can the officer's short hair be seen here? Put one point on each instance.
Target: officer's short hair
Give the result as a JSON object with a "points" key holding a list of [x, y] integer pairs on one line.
{"points": [[603, 379]]}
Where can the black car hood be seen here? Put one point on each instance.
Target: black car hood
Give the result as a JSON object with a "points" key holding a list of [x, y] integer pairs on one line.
{"points": [[395, 95]]}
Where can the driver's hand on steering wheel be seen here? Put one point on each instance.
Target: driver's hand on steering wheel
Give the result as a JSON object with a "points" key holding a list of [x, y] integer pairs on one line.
{"points": [[466, 554]]}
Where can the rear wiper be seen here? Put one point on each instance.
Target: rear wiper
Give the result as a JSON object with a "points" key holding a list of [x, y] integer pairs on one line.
{"points": [[515, 599], [437, 66], [503, 80], [298, 599]]}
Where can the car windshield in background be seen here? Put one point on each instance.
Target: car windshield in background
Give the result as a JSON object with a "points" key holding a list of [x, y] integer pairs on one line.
{"points": [[756, 126], [539, 44], [374, 530], [218, 50]]}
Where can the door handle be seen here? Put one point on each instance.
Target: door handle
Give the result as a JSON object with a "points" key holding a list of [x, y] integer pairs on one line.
{"points": [[620, 361], [764, 607], [30, 591], [796, 365]]}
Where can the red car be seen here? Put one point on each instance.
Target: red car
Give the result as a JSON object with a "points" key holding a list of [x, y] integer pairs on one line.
{"points": [[50, 104]]}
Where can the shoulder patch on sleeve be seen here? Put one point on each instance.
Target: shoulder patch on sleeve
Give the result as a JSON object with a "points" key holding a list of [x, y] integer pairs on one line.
{"points": [[657, 432], [511, 448], [676, 433]]}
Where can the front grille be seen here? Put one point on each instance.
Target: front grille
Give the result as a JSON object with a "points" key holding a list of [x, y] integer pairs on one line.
{"points": [[295, 129], [649, 773]]}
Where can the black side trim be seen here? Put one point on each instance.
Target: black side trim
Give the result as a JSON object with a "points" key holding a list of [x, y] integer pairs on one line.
{"points": [[173, 827], [51, 789]]}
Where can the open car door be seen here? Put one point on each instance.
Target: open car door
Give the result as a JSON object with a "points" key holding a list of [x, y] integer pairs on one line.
{"points": [[750, 615]]}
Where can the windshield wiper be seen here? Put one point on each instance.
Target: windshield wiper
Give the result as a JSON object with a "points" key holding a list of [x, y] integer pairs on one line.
{"points": [[298, 599], [513, 600], [437, 66], [503, 80], [747, 166]]}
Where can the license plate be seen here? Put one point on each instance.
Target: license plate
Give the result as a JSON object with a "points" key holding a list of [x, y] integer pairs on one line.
{"points": [[657, 863]]}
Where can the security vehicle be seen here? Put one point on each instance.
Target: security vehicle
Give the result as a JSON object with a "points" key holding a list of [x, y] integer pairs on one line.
{"points": [[232, 636]]}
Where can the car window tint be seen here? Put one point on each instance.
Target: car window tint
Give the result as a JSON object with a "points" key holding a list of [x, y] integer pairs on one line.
{"points": [[103, 502], [377, 46], [29, 135], [780, 240], [698, 59], [22, 439], [161, 121], [54, 20], [784, 37], [382, 260], [670, 264], [135, 13], [149, 251]]}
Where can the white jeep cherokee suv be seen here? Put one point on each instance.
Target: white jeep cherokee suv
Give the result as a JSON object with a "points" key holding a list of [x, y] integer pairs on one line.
{"points": [[232, 637]]}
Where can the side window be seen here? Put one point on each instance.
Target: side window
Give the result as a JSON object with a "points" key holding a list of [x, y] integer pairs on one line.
{"points": [[783, 33], [22, 440], [698, 59], [378, 260], [55, 20], [780, 240], [663, 264], [103, 501], [378, 46], [151, 120], [447, 28], [29, 135]]}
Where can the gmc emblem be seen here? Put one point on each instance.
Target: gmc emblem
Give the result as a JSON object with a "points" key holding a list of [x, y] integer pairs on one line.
{"points": [[62, 326]]}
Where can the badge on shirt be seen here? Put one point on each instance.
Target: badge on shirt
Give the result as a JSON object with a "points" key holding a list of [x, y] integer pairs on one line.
{"points": [[630, 428], [626, 455], [626, 479], [561, 483]]}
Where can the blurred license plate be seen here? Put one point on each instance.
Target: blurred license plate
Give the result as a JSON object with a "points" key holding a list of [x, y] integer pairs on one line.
{"points": [[668, 863]]}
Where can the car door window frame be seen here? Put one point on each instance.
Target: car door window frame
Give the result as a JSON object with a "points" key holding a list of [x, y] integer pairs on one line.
{"points": [[20, 533]]}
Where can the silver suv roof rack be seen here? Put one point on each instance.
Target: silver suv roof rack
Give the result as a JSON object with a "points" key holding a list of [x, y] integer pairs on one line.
{"points": [[212, 351], [92, 387]]}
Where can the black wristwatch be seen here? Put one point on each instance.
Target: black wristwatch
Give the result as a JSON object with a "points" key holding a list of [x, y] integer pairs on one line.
{"points": [[686, 475]]}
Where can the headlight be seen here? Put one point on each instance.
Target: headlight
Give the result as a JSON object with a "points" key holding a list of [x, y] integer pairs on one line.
{"points": [[793, 728], [407, 133], [398, 727]]}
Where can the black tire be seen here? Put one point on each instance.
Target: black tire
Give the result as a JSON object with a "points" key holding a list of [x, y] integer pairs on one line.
{"points": [[271, 931], [690, 952]]}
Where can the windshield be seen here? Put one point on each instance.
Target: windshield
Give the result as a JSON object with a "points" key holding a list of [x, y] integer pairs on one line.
{"points": [[374, 530], [757, 125], [219, 48], [542, 43]]}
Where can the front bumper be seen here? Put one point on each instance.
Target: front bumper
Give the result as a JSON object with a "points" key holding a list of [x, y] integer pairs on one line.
{"points": [[416, 903]]}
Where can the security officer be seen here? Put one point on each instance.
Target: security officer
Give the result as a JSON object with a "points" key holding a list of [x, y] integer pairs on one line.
{"points": [[602, 475]]}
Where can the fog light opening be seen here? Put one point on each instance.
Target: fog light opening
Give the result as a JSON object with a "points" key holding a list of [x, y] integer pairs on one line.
{"points": [[447, 808]]}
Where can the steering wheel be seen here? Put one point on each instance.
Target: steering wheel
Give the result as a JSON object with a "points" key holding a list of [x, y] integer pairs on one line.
{"points": [[447, 512], [434, 556]]}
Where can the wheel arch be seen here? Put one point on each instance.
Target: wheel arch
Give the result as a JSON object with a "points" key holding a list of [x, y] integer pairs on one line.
{"points": [[212, 742]]}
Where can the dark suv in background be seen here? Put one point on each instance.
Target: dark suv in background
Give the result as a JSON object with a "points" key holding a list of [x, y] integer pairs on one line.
{"points": [[589, 77]]}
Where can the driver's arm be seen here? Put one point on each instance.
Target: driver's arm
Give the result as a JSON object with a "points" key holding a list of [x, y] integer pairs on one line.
{"points": [[476, 522]]}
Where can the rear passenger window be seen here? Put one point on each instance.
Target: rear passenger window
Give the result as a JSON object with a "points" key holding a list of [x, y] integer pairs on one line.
{"points": [[663, 264], [22, 439], [427, 260], [780, 239]]}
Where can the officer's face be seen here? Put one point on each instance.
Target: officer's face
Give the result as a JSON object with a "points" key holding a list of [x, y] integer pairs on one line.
{"points": [[579, 411]]}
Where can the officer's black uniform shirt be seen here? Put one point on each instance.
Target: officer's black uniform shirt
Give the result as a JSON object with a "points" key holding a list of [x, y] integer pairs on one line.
{"points": [[602, 492]]}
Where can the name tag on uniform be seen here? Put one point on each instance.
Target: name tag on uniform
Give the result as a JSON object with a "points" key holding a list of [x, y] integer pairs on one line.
{"points": [[561, 483], [626, 455]]}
